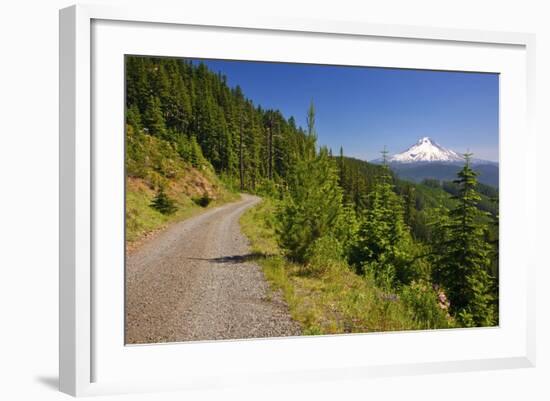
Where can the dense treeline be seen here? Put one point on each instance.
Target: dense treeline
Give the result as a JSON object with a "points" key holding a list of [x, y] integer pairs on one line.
{"points": [[186, 104], [433, 246]]}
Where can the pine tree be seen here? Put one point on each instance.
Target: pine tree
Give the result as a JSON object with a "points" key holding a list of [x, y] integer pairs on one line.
{"points": [[464, 262], [410, 206], [310, 139], [153, 119], [175, 97], [495, 223], [138, 89], [341, 167], [495, 254], [133, 117], [163, 203], [241, 150], [382, 232], [197, 158], [312, 209], [270, 128]]}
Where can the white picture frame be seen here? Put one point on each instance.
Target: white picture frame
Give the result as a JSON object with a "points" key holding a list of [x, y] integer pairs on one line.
{"points": [[86, 350]]}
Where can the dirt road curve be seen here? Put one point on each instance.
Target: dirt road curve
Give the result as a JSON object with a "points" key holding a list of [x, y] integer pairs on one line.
{"points": [[196, 281]]}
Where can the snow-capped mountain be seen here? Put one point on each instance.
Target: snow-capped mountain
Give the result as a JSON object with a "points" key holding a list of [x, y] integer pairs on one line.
{"points": [[428, 159], [426, 150]]}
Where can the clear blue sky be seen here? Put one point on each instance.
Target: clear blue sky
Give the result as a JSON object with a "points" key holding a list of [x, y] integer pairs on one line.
{"points": [[365, 109]]}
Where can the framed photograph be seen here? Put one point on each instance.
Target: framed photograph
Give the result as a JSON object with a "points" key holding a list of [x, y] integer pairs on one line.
{"points": [[270, 200]]}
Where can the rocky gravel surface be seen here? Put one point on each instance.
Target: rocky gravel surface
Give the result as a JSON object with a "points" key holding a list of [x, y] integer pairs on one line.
{"points": [[197, 281]]}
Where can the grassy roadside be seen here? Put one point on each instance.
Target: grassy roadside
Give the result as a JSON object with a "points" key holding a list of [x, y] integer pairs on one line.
{"points": [[333, 301], [143, 221]]}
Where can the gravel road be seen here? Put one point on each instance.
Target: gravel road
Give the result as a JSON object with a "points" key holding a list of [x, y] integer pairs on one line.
{"points": [[197, 281]]}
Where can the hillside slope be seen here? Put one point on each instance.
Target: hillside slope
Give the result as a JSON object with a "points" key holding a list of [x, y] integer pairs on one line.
{"points": [[488, 173], [153, 166]]}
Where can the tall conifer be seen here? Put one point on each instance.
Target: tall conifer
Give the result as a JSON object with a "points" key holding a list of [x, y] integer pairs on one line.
{"points": [[463, 267], [153, 119], [382, 233]]}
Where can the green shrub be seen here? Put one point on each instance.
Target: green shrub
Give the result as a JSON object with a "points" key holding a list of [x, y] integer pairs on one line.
{"points": [[268, 188], [163, 203], [381, 273], [324, 254], [204, 200], [427, 306]]}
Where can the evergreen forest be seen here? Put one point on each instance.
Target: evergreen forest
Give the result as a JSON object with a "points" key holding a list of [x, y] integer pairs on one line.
{"points": [[352, 247]]}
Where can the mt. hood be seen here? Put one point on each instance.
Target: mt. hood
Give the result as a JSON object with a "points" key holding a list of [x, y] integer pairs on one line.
{"points": [[426, 150], [427, 159]]}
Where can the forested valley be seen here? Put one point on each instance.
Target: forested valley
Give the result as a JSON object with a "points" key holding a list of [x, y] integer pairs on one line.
{"points": [[351, 246]]}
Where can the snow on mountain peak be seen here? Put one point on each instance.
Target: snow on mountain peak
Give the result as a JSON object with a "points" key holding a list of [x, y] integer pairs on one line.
{"points": [[426, 139], [426, 150]]}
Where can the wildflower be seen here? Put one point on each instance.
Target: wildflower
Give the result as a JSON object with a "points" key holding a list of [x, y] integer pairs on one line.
{"points": [[442, 300]]}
